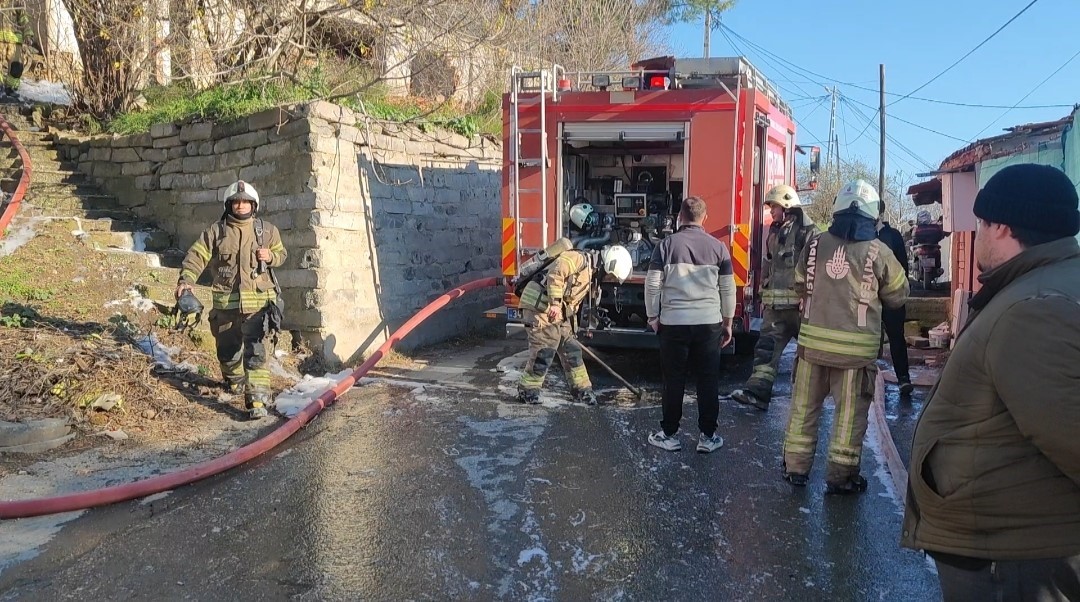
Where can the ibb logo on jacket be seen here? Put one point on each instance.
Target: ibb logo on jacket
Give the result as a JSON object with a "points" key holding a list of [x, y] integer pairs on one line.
{"points": [[837, 268]]}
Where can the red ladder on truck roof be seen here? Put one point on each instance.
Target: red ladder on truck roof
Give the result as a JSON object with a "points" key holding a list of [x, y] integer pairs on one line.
{"points": [[530, 156]]}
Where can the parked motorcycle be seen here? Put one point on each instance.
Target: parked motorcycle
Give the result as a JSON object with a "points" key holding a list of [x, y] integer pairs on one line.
{"points": [[926, 264], [926, 251]]}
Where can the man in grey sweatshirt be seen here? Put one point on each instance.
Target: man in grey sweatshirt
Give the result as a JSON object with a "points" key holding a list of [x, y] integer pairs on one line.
{"points": [[690, 302]]}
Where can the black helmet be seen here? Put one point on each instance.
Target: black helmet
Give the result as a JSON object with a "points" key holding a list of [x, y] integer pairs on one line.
{"points": [[188, 311]]}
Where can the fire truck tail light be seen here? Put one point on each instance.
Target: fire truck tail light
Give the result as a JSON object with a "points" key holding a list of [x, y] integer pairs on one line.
{"points": [[659, 82]]}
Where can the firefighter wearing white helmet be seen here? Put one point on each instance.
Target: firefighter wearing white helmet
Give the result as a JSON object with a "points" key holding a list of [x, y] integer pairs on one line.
{"points": [[845, 277], [583, 216], [789, 233], [240, 251], [549, 302]]}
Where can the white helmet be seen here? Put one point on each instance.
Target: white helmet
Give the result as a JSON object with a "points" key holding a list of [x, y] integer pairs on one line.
{"points": [[581, 215], [241, 190], [784, 196], [858, 196], [616, 261]]}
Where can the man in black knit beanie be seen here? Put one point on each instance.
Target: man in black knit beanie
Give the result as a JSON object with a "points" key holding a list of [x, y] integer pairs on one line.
{"points": [[994, 482]]}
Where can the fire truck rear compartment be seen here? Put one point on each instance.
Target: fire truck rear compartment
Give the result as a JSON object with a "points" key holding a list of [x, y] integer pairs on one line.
{"points": [[635, 188]]}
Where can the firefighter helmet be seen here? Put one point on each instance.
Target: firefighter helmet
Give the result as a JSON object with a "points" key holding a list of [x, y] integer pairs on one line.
{"points": [[242, 191], [616, 261], [583, 216], [784, 196], [187, 313], [923, 217], [857, 196]]}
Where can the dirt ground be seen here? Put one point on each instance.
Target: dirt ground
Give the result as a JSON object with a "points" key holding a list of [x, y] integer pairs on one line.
{"points": [[73, 312]]}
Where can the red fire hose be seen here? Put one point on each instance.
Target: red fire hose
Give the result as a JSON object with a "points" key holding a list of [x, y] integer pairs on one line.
{"points": [[138, 489], [24, 180]]}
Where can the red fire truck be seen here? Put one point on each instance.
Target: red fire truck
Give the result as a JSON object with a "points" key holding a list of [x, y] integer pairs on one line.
{"points": [[632, 145]]}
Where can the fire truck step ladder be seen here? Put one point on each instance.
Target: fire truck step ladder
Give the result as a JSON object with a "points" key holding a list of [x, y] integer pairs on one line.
{"points": [[529, 94]]}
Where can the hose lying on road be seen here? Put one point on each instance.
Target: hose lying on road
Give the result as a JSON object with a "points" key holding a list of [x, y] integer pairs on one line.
{"points": [[138, 489], [24, 180]]}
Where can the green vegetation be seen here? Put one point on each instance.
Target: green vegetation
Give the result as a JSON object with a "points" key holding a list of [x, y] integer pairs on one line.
{"points": [[230, 101], [15, 286]]}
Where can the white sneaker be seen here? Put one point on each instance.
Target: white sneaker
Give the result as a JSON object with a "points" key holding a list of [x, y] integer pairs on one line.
{"points": [[709, 444], [659, 439]]}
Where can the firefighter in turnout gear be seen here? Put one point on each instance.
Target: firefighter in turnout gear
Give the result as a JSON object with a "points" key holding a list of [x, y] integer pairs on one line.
{"points": [[549, 303], [845, 277], [789, 233], [239, 251]]}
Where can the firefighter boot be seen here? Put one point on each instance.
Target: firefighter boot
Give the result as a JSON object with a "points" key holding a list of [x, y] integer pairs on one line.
{"points": [[585, 396], [529, 396], [746, 397], [256, 404], [795, 478], [853, 484]]}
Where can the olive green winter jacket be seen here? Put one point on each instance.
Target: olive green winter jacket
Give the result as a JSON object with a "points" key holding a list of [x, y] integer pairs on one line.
{"points": [[995, 461]]}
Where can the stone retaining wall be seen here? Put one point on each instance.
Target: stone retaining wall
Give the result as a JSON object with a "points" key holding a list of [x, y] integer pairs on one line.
{"points": [[379, 219]]}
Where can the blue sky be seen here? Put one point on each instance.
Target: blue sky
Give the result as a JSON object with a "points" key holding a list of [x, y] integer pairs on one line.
{"points": [[915, 39]]}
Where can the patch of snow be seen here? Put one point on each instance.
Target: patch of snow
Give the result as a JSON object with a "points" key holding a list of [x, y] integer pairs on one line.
{"points": [[526, 556], [290, 402], [43, 91], [135, 299], [153, 498], [138, 241], [16, 237], [161, 354]]}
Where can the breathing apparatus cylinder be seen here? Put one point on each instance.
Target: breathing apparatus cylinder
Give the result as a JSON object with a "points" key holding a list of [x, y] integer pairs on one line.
{"points": [[530, 267]]}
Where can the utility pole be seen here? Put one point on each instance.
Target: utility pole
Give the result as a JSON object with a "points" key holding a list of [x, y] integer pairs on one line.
{"points": [[881, 111], [708, 30], [832, 131], [838, 154]]}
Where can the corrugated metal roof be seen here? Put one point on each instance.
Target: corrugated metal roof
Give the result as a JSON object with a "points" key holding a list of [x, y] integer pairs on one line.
{"points": [[1017, 140]]}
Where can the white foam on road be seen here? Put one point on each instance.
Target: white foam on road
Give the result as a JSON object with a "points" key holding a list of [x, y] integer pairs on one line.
{"points": [[290, 402]]}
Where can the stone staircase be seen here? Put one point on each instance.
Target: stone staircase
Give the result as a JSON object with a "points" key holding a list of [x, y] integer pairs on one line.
{"points": [[59, 191]]}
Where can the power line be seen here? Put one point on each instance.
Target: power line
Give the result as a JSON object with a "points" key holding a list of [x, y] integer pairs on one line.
{"points": [[902, 120], [969, 53], [895, 142], [1030, 92], [910, 96]]}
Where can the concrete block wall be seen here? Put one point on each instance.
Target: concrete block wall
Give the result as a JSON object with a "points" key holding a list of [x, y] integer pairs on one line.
{"points": [[379, 219]]}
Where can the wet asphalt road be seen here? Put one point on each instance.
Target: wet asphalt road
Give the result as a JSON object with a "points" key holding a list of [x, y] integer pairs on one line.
{"points": [[410, 492]]}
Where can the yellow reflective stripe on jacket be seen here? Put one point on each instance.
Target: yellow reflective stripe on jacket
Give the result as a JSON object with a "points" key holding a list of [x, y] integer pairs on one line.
{"points": [[854, 344], [200, 249], [779, 297], [896, 284], [246, 301], [188, 276]]}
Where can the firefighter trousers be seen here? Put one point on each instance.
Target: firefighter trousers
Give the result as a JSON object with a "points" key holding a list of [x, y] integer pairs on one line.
{"points": [[778, 327], [547, 340], [242, 353], [852, 392]]}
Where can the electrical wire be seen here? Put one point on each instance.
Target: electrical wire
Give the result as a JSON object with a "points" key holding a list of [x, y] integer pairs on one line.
{"points": [[1030, 92], [969, 53], [902, 120], [804, 71], [891, 138]]}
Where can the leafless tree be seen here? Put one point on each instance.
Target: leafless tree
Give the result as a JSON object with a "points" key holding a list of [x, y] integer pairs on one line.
{"points": [[898, 206]]}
